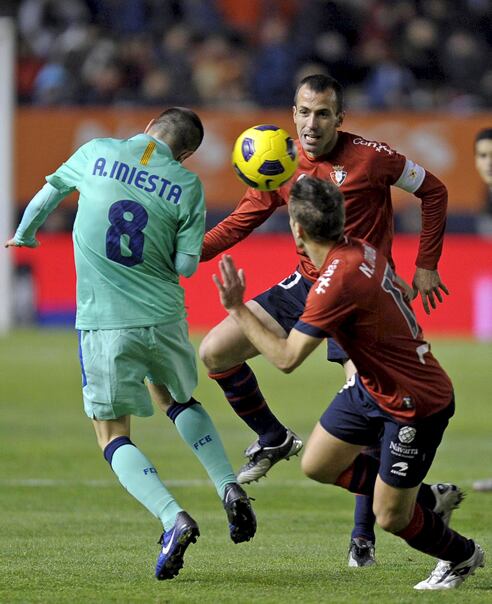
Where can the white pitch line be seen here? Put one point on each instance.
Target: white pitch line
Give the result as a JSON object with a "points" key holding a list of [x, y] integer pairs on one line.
{"points": [[48, 482]]}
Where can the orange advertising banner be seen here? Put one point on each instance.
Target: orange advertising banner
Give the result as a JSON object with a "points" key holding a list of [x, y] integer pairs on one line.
{"points": [[443, 144]]}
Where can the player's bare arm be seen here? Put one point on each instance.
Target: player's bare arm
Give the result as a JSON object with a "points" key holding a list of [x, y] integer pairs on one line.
{"points": [[428, 284], [285, 354]]}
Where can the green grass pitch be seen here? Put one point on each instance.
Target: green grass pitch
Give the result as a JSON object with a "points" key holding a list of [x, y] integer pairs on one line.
{"points": [[70, 533]]}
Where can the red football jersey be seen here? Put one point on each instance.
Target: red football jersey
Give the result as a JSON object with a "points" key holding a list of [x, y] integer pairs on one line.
{"points": [[356, 301], [364, 170]]}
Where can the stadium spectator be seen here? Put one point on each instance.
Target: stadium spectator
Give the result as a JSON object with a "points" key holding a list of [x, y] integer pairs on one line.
{"points": [[419, 49], [364, 171], [483, 163], [124, 17], [219, 68], [28, 67], [464, 62], [157, 88], [438, 49], [388, 85], [175, 52], [130, 309], [248, 17], [52, 84], [272, 78], [106, 85], [136, 57], [400, 395]]}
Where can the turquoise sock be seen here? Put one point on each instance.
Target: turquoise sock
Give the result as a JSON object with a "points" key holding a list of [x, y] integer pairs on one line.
{"points": [[197, 429], [139, 477]]}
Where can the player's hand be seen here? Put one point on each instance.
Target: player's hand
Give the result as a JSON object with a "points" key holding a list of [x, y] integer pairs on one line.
{"points": [[231, 288], [12, 243], [408, 292], [428, 284]]}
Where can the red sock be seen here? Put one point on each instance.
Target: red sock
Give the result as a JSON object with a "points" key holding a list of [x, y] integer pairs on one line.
{"points": [[427, 533], [360, 477], [246, 399]]}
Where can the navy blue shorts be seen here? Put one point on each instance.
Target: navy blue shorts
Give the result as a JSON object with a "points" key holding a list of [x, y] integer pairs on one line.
{"points": [[285, 303], [407, 450]]}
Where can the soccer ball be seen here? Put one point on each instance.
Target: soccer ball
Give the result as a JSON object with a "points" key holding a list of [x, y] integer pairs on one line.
{"points": [[264, 157]]}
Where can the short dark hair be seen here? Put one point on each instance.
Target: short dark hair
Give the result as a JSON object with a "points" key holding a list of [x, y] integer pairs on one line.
{"points": [[319, 82], [485, 134], [318, 206], [183, 126]]}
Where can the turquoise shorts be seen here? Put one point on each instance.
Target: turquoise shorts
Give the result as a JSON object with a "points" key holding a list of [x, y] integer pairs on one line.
{"points": [[115, 363]]}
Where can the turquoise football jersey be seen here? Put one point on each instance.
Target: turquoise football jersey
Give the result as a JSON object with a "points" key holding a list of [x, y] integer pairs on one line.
{"points": [[137, 208]]}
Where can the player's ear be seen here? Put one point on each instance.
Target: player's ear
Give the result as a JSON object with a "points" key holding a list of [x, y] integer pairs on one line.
{"points": [[149, 125], [297, 229], [294, 112], [340, 118]]}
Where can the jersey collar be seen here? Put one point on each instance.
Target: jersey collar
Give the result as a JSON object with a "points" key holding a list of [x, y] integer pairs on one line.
{"points": [[162, 146], [332, 253]]}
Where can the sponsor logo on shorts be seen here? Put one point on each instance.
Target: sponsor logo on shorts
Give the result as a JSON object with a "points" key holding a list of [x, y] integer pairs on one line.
{"points": [[402, 451], [407, 434], [400, 468], [149, 471], [348, 384]]}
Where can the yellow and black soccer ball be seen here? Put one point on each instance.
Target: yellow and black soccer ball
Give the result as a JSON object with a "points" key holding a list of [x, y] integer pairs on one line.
{"points": [[264, 157]]}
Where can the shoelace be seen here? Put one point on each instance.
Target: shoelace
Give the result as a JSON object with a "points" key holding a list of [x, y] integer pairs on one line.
{"points": [[440, 569], [161, 539], [362, 549]]}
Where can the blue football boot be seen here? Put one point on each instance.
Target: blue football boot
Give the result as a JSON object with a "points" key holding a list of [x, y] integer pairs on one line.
{"points": [[242, 519], [174, 543]]}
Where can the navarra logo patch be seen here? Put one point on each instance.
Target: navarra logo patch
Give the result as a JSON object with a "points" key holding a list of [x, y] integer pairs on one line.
{"points": [[338, 175]]}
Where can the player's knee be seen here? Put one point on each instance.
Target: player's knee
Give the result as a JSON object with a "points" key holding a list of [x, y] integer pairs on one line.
{"points": [[314, 470], [208, 352], [102, 441], [214, 353], [391, 520]]}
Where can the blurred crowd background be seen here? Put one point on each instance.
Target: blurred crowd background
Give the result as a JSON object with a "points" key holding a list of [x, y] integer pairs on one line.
{"points": [[416, 73], [389, 54]]}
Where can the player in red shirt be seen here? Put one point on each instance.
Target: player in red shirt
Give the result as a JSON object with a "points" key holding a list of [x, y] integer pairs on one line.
{"points": [[364, 171], [400, 397]]}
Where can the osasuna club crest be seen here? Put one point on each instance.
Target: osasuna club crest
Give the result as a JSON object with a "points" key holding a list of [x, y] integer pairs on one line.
{"points": [[338, 175]]}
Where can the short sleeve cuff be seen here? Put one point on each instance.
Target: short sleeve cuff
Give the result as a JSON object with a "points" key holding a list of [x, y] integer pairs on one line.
{"points": [[310, 330]]}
